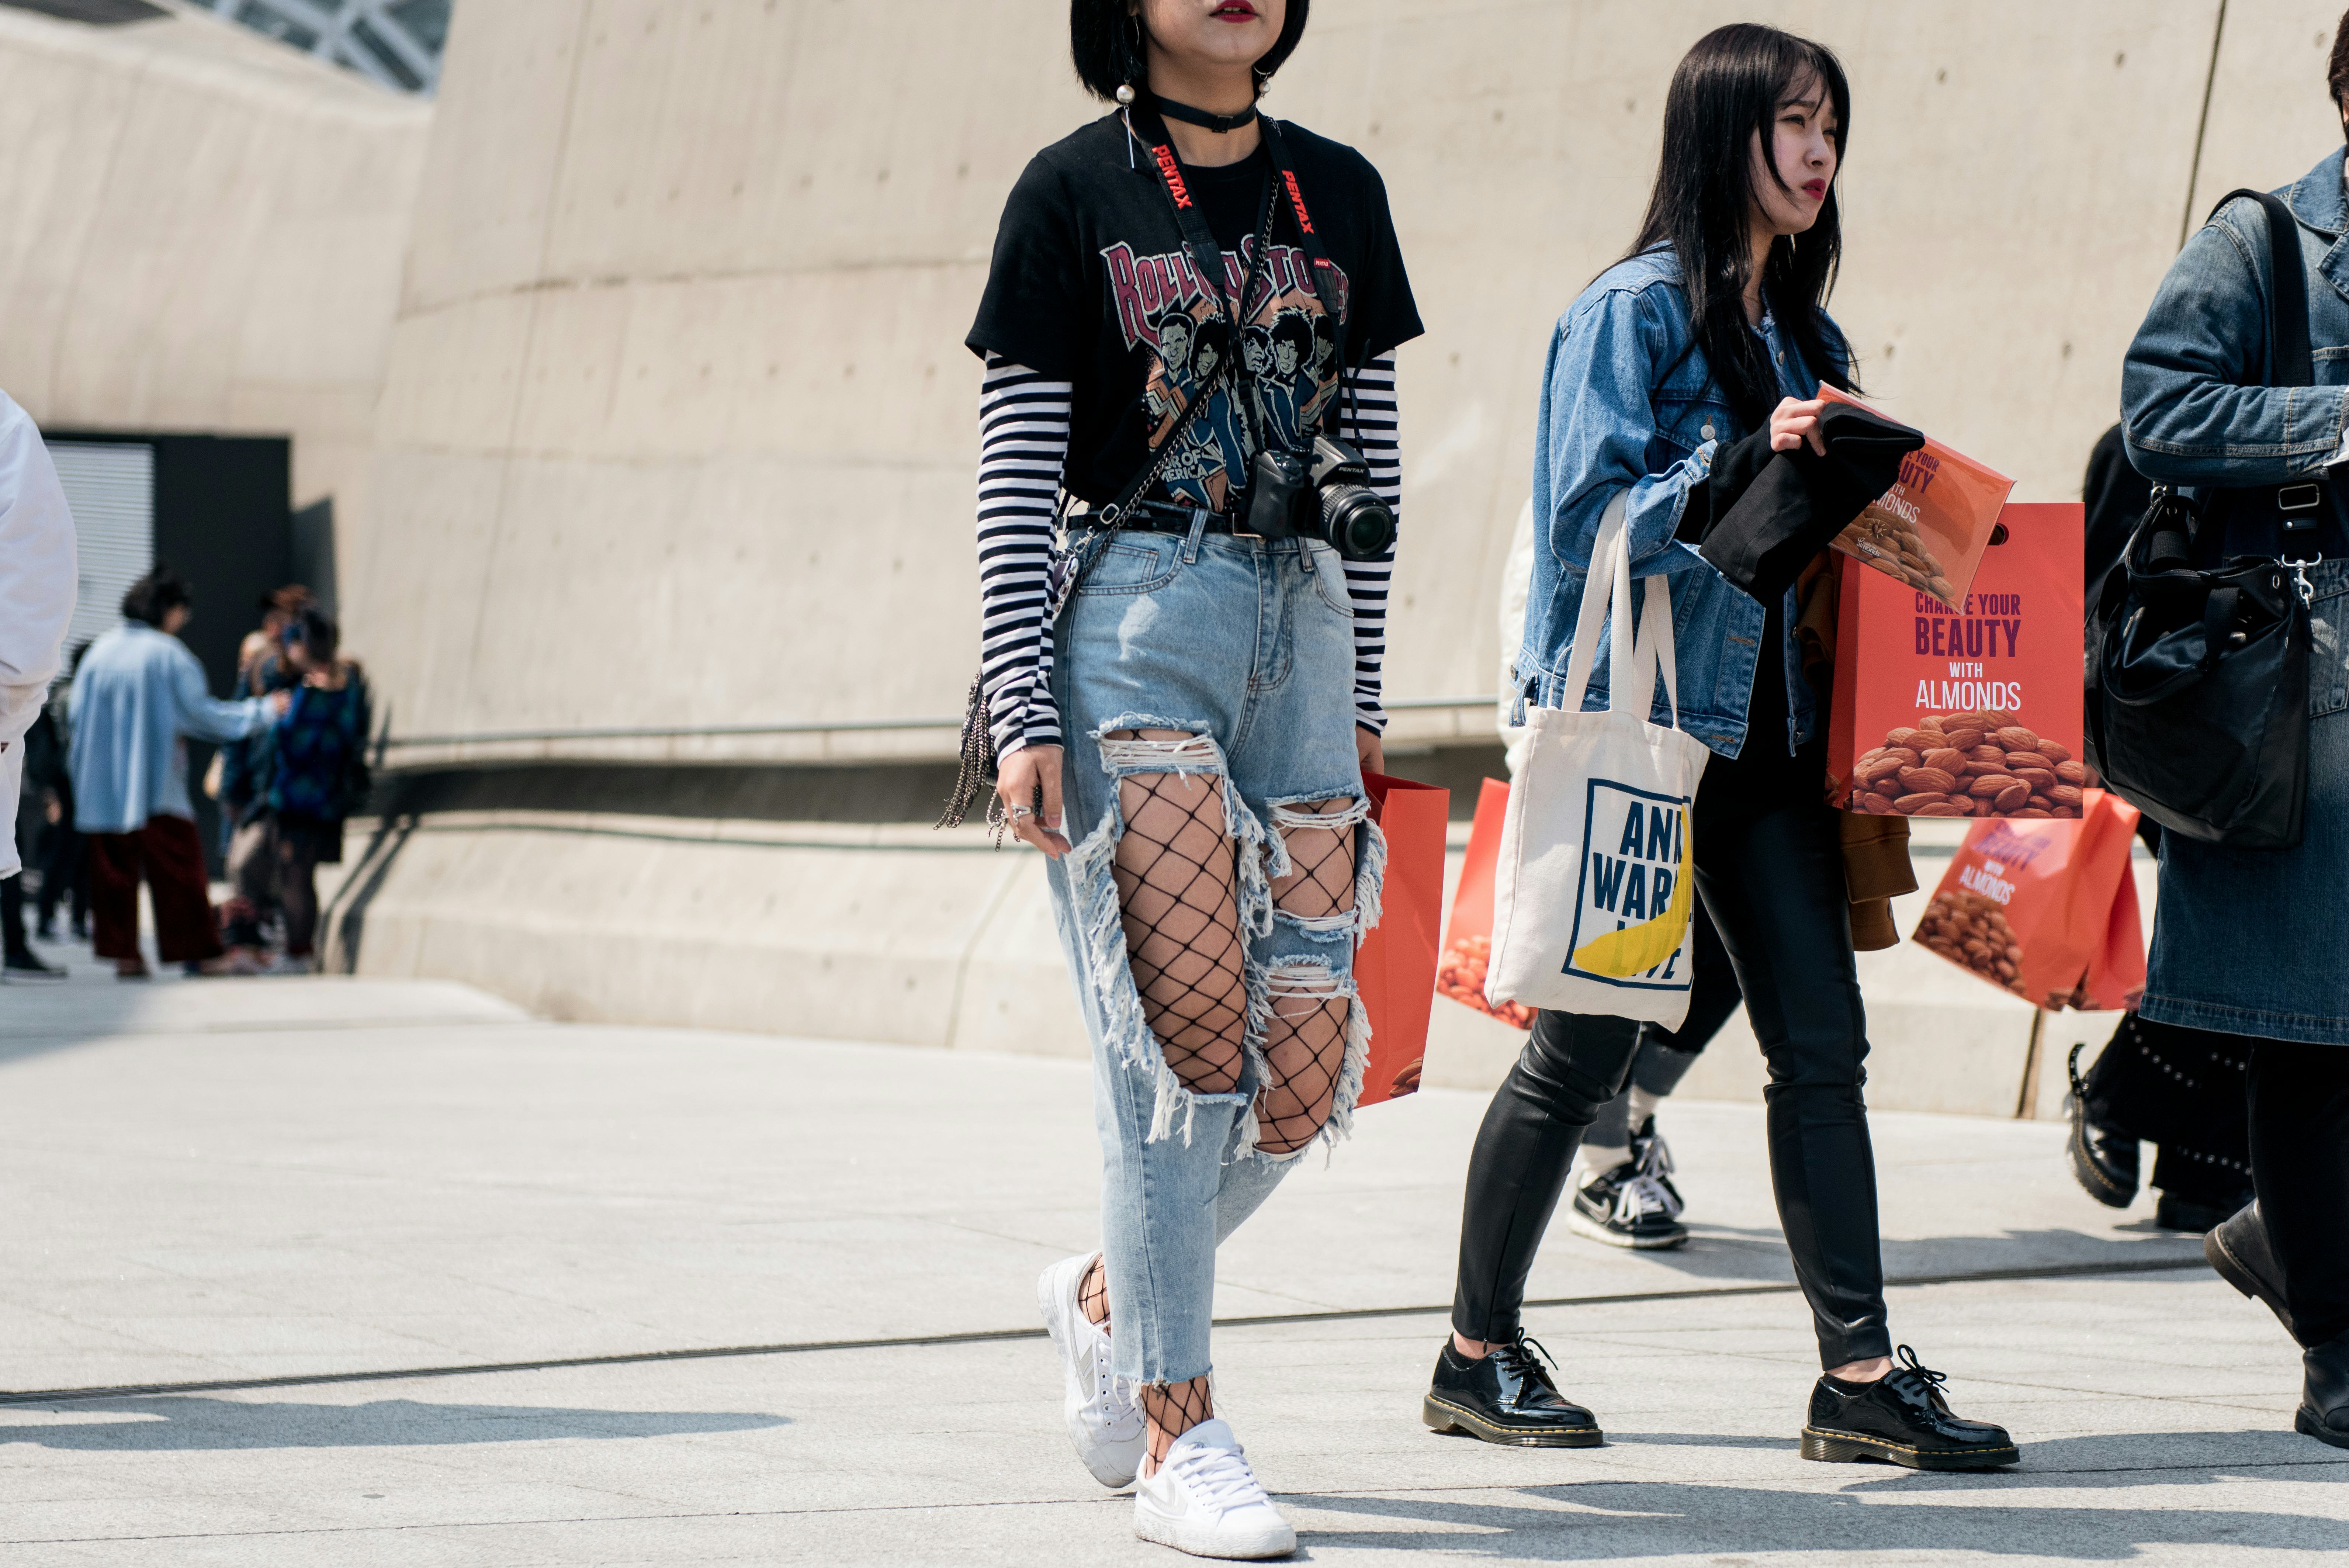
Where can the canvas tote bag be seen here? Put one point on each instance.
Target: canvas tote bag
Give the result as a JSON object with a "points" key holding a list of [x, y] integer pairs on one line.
{"points": [[1594, 885]]}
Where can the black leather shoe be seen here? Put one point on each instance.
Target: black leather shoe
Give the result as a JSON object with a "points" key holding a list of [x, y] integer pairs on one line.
{"points": [[1901, 1419], [1506, 1397], [2238, 1249], [2103, 1160], [2325, 1395]]}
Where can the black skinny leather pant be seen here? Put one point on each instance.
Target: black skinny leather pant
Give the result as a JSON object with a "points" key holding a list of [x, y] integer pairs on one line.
{"points": [[1770, 873]]}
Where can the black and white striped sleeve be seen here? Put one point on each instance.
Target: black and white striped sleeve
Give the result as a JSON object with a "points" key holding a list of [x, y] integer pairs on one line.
{"points": [[1372, 426], [1023, 440]]}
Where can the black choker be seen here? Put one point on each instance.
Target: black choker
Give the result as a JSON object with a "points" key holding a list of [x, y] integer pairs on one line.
{"points": [[1221, 124]]}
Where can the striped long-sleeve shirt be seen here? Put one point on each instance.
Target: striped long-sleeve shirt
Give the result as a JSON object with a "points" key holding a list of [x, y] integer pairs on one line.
{"points": [[1023, 445]]}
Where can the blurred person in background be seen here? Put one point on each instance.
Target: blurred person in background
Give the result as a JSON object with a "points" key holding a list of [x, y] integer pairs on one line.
{"points": [[64, 865], [312, 764], [240, 776], [38, 579], [2251, 942], [139, 694]]}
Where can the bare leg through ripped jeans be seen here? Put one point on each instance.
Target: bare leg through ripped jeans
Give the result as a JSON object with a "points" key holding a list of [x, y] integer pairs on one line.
{"points": [[1177, 872]]}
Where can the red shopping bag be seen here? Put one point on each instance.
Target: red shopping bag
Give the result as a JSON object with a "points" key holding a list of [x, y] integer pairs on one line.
{"points": [[1395, 969], [2036, 907], [1468, 944], [1973, 711], [2116, 977]]}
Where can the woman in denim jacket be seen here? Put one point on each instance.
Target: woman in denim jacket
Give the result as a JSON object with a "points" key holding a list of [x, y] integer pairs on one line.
{"points": [[2252, 942], [1655, 388]]}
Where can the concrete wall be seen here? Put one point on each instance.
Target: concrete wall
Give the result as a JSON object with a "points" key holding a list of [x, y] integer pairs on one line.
{"points": [[203, 232], [679, 431]]}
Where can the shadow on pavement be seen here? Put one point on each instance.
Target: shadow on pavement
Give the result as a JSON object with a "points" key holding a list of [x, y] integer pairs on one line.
{"points": [[2155, 1458], [1633, 1520], [191, 1423], [1759, 1253]]}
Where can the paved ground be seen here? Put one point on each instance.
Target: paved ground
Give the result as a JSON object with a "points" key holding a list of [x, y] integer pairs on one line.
{"points": [[323, 1182]]}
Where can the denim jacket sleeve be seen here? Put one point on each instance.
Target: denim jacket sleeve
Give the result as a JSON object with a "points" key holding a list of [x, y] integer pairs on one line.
{"points": [[2192, 408], [1604, 360]]}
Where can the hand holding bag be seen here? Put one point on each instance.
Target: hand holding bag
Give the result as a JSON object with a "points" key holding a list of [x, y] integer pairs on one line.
{"points": [[1594, 882]]}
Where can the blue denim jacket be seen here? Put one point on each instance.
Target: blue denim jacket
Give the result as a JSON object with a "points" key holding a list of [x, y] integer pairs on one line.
{"points": [[2189, 416], [1613, 422]]}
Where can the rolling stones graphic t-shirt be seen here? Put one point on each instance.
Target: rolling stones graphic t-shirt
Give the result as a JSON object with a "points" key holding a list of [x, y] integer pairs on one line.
{"points": [[1091, 285]]}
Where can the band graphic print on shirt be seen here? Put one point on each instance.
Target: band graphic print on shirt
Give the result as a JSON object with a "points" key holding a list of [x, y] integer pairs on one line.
{"points": [[1289, 345]]}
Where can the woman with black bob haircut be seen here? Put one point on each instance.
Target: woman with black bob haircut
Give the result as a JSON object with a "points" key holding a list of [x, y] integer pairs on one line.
{"points": [[1193, 669], [1677, 381]]}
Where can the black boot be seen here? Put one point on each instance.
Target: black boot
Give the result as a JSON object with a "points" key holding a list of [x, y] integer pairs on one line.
{"points": [[2104, 1160], [1506, 1397], [2192, 1215], [2324, 1396], [1902, 1419], [2238, 1249]]}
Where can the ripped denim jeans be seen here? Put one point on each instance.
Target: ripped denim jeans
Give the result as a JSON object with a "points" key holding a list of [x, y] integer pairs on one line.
{"points": [[1224, 871]]}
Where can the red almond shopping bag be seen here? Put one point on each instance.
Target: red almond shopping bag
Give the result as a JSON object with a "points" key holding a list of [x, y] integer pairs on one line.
{"points": [[1468, 939], [1930, 530], [1395, 969], [1971, 713], [2030, 906]]}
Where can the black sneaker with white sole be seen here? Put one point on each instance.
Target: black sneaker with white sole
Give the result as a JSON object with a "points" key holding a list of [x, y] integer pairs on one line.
{"points": [[1901, 1418], [1653, 1155], [1626, 1207]]}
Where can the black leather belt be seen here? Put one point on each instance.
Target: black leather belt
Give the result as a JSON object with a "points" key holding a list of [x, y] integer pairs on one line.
{"points": [[1157, 517]]}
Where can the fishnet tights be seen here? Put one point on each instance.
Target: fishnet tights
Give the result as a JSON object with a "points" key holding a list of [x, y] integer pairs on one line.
{"points": [[1092, 1294], [1172, 1410], [1176, 873], [1305, 1038]]}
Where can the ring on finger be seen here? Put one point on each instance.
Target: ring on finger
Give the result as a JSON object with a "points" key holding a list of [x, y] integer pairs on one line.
{"points": [[1019, 812]]}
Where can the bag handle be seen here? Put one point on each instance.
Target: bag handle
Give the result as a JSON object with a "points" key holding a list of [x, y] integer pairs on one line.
{"points": [[1633, 687], [2288, 361], [1595, 603]]}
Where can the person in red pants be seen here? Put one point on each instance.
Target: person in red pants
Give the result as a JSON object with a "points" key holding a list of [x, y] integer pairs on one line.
{"points": [[138, 695]]}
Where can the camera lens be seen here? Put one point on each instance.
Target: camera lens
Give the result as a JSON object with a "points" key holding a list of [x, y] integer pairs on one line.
{"points": [[1356, 523]]}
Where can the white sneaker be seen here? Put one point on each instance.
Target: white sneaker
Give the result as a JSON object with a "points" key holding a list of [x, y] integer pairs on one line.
{"points": [[1106, 1425], [1204, 1499]]}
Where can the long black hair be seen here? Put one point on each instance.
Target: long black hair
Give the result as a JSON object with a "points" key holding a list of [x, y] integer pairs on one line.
{"points": [[1726, 88], [1105, 38]]}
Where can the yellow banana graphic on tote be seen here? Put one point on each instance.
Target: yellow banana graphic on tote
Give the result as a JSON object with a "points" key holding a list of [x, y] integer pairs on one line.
{"points": [[1637, 948]]}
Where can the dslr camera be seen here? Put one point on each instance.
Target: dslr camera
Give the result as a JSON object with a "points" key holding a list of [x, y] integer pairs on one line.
{"points": [[1324, 495]]}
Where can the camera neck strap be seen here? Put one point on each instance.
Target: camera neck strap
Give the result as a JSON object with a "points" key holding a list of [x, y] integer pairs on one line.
{"points": [[1207, 257]]}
